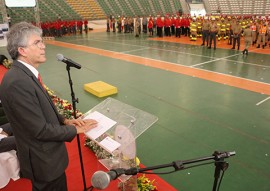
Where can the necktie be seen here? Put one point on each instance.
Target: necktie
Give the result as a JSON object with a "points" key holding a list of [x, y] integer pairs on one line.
{"points": [[40, 80]]}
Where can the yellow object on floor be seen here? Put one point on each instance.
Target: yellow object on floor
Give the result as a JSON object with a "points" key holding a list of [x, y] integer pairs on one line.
{"points": [[100, 89]]}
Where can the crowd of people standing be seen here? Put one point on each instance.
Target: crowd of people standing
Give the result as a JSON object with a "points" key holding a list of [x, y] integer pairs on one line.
{"points": [[59, 27], [210, 29]]}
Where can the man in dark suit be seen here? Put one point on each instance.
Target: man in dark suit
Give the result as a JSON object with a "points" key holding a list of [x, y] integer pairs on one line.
{"points": [[40, 131]]}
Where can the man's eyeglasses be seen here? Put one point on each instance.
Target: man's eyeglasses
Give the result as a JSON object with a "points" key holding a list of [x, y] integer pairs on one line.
{"points": [[39, 44]]}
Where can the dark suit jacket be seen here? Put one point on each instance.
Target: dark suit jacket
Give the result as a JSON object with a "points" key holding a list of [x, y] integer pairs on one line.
{"points": [[3, 118], [7, 143], [37, 126]]}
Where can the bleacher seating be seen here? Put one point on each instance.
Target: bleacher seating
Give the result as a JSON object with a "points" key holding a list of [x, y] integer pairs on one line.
{"points": [[139, 7], [236, 7], [18, 14], [87, 9], [51, 10]]}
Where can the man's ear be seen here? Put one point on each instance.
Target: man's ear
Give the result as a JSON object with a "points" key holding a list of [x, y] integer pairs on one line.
{"points": [[22, 51]]}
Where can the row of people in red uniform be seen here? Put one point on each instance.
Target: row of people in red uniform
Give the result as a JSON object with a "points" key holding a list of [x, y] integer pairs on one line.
{"points": [[172, 26], [58, 28]]}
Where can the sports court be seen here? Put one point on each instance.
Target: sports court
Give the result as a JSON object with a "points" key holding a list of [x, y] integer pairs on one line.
{"points": [[206, 100]]}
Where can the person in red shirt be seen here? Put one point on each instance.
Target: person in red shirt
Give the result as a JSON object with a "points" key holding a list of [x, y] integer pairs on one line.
{"points": [[72, 25], [58, 28], [79, 25], [167, 23], [173, 25], [178, 27], [150, 26], [186, 25], [85, 23], [160, 25]]}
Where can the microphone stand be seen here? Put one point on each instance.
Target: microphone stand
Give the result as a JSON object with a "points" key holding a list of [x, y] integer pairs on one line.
{"points": [[220, 164], [74, 101]]}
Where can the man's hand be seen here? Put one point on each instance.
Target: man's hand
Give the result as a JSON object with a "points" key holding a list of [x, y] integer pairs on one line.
{"points": [[88, 125], [81, 124]]}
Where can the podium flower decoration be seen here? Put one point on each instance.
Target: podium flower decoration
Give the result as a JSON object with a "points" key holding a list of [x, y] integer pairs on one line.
{"points": [[63, 106], [7, 63], [144, 184], [98, 150]]}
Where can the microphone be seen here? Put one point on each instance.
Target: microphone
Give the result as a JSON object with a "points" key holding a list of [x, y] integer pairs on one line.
{"points": [[101, 180], [68, 61]]}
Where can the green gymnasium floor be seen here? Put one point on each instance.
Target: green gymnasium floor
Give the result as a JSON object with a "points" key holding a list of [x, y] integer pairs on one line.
{"points": [[196, 116]]}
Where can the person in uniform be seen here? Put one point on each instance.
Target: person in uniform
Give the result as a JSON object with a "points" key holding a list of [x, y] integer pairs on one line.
{"points": [[228, 27], [137, 26], [222, 31], [205, 31], [213, 32], [160, 25], [247, 34], [193, 29], [233, 23], [167, 25], [254, 30], [150, 26], [108, 23], [199, 26], [236, 34], [173, 25], [178, 27], [262, 33], [113, 24]]}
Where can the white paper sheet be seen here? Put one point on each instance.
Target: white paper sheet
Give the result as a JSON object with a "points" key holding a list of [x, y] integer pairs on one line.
{"points": [[109, 144], [104, 124]]}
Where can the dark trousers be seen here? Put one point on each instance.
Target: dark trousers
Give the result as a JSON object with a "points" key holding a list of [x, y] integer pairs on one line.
{"points": [[173, 29], [178, 32], [230, 37], [187, 31], [236, 39], [144, 28], [159, 31], [205, 36], [213, 37], [167, 31], [59, 184]]}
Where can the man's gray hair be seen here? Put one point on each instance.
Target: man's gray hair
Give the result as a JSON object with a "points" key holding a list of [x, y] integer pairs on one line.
{"points": [[18, 36]]}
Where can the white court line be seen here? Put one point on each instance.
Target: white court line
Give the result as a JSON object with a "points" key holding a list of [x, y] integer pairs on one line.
{"points": [[98, 40], [145, 47], [172, 63], [202, 63], [248, 63], [134, 50], [263, 101]]}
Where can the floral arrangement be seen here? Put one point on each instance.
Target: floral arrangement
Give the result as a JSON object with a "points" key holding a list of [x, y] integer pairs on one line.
{"points": [[6, 63], [144, 184], [63, 106], [99, 151]]}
